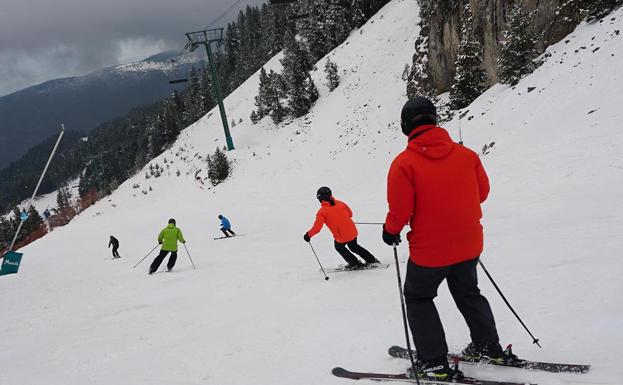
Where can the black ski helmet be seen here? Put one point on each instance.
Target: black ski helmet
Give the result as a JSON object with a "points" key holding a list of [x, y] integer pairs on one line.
{"points": [[172, 220], [324, 194], [220, 216], [417, 112]]}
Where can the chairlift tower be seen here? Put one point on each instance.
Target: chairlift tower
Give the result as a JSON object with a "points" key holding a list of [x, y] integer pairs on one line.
{"points": [[206, 38]]}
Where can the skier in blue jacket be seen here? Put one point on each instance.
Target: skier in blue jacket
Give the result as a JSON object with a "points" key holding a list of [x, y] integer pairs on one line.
{"points": [[226, 226]]}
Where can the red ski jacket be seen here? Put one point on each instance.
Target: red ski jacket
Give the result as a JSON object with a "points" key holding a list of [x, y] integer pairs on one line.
{"points": [[437, 187], [338, 220]]}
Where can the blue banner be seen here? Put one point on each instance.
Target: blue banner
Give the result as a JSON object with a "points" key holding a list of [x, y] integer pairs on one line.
{"points": [[10, 263]]}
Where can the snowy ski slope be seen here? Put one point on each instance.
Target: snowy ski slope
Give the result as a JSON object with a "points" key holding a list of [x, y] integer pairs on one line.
{"points": [[257, 310]]}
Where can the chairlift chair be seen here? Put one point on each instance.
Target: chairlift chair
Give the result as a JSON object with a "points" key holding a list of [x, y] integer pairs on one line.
{"points": [[176, 79], [281, 2]]}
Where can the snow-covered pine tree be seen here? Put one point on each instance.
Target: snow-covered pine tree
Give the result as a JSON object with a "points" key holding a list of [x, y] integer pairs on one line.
{"points": [[5, 233], [312, 90], [63, 196], [419, 82], [219, 167], [519, 47], [312, 28], [34, 221], [357, 14], [193, 97], [333, 79], [207, 101], [261, 99], [232, 55], [470, 77], [274, 24], [278, 91], [297, 63], [337, 25], [598, 9]]}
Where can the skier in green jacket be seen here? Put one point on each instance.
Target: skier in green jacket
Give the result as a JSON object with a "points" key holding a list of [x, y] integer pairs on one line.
{"points": [[168, 238]]}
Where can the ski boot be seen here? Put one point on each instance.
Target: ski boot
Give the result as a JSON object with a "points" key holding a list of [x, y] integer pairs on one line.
{"points": [[491, 353], [437, 370], [357, 266]]}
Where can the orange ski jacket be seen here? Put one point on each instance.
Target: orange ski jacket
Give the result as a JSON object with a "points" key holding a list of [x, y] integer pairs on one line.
{"points": [[338, 220], [437, 187]]}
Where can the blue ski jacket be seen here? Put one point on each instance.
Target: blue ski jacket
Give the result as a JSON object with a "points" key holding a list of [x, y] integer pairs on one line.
{"points": [[225, 225]]}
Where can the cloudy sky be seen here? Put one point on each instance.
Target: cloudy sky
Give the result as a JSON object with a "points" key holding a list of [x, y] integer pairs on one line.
{"points": [[47, 39]]}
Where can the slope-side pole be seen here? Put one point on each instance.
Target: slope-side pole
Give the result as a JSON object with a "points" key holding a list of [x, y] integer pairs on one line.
{"points": [[45, 169]]}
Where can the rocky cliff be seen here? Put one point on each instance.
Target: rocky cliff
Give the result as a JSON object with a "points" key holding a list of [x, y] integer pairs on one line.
{"points": [[442, 22]]}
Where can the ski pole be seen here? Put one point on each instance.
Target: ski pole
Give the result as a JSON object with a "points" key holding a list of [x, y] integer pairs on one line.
{"points": [[404, 315], [191, 260], [139, 262], [534, 340], [368, 223], [326, 278]]}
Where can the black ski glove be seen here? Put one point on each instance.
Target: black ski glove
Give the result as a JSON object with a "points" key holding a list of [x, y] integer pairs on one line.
{"points": [[391, 239], [306, 237]]}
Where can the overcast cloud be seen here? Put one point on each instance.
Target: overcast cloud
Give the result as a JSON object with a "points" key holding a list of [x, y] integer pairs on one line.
{"points": [[48, 39]]}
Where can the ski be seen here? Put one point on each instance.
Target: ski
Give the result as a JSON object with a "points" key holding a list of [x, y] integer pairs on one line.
{"points": [[343, 373], [400, 352], [231, 236], [341, 268]]}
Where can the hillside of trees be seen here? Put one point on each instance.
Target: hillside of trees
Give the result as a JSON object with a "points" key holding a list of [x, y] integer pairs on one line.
{"points": [[120, 148]]}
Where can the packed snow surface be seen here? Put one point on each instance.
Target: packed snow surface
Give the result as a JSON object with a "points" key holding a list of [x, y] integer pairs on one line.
{"points": [[257, 309]]}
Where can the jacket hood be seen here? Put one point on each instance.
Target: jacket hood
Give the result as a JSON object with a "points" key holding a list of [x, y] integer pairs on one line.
{"points": [[431, 142], [327, 203], [170, 226]]}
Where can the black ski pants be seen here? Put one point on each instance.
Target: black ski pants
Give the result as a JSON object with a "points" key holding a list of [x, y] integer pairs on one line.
{"points": [[355, 248], [163, 253], [421, 288], [225, 231], [115, 253]]}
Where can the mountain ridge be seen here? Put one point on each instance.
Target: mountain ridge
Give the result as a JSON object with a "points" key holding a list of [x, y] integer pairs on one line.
{"points": [[83, 102]]}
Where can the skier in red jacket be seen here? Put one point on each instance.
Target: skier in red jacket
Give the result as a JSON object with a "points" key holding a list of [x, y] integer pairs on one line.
{"points": [[338, 218], [437, 186]]}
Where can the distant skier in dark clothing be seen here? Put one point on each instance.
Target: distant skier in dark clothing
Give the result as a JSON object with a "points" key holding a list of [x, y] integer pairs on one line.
{"points": [[168, 238], [436, 186], [338, 218], [115, 246], [226, 226]]}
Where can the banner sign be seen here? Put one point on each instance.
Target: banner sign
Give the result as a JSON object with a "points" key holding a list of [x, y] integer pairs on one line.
{"points": [[10, 263]]}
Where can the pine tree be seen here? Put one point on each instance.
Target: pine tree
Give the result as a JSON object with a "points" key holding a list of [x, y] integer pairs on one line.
{"points": [[63, 197], [34, 221], [206, 92], [219, 167], [278, 91], [313, 28], [333, 79], [337, 26], [312, 90], [297, 64], [232, 55], [261, 99], [470, 77], [357, 13], [194, 97], [598, 9], [519, 47], [5, 233]]}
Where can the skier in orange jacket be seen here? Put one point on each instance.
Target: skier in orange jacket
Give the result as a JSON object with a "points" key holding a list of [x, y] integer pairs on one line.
{"points": [[338, 218], [436, 186]]}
